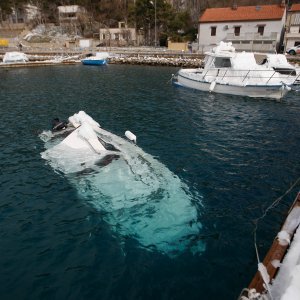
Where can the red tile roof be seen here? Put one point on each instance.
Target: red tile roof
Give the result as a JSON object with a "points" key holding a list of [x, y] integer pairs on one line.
{"points": [[295, 7], [242, 13]]}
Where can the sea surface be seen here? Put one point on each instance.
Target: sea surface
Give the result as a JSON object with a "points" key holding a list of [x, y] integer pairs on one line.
{"points": [[234, 155]]}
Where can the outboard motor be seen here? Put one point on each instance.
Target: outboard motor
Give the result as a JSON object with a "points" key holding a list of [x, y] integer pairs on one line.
{"points": [[58, 125]]}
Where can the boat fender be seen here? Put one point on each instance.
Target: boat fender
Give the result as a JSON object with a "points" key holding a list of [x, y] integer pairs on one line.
{"points": [[285, 87], [130, 136], [212, 86]]}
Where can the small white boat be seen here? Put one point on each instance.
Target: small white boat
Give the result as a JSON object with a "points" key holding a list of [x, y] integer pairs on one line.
{"points": [[99, 59], [229, 72], [15, 57]]}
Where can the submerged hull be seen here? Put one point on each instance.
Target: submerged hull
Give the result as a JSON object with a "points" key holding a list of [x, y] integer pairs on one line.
{"points": [[256, 91], [139, 196]]}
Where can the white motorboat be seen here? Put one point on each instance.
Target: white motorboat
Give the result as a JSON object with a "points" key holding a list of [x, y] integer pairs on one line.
{"points": [[140, 197], [229, 72], [15, 57]]}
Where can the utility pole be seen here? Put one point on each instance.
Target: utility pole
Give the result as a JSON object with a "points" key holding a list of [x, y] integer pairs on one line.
{"points": [[155, 29]]}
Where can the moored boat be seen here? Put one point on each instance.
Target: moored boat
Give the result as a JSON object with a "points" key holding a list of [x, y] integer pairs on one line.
{"points": [[229, 72], [99, 59], [15, 57]]}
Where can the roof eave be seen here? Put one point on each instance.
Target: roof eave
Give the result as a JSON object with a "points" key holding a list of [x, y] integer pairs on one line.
{"points": [[239, 20]]}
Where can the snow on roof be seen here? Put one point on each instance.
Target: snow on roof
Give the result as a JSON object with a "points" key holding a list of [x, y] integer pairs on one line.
{"points": [[295, 7], [222, 46], [244, 61], [243, 13], [279, 61]]}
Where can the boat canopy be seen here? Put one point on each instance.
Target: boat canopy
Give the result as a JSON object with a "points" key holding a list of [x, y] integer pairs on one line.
{"points": [[102, 55], [223, 47], [234, 61], [244, 61], [279, 61]]}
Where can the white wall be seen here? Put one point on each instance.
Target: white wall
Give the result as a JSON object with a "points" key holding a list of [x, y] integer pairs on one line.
{"points": [[205, 38], [295, 29], [85, 43]]}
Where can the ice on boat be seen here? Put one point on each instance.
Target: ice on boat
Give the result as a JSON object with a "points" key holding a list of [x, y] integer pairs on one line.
{"points": [[13, 57], [140, 196]]}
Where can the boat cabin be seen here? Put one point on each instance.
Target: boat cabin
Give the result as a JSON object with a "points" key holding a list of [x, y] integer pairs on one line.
{"points": [[224, 56]]}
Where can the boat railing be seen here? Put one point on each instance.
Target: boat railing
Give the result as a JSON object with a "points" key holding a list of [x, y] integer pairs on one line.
{"points": [[224, 74], [267, 75], [246, 76], [271, 77], [296, 79]]}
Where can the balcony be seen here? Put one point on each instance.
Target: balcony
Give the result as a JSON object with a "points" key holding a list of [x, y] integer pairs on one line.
{"points": [[250, 36], [253, 42]]}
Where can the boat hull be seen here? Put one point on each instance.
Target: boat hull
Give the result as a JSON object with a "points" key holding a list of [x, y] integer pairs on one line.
{"points": [[255, 91], [94, 62]]}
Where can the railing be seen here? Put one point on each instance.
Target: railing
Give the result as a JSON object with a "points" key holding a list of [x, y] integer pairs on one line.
{"points": [[251, 36], [265, 75]]}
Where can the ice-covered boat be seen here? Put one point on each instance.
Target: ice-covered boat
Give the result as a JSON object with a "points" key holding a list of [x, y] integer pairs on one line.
{"points": [[15, 57], [99, 59], [142, 199], [229, 72]]}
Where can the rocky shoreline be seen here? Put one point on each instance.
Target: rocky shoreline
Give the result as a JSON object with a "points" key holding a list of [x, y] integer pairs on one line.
{"points": [[186, 62], [175, 60], [160, 61]]}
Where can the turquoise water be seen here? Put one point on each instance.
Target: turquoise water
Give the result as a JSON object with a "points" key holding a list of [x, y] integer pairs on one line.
{"points": [[232, 155]]}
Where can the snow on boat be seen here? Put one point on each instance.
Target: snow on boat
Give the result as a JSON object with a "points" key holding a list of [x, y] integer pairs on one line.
{"points": [[15, 57], [141, 198], [279, 273], [99, 59], [228, 72], [280, 64]]}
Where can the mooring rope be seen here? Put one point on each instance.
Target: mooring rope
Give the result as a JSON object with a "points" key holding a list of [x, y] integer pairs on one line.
{"points": [[271, 206]]}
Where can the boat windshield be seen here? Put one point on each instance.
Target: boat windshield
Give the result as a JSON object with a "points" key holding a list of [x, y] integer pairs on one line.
{"points": [[222, 62]]}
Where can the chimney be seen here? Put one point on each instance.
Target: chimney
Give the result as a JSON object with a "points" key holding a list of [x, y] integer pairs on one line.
{"points": [[282, 4]]}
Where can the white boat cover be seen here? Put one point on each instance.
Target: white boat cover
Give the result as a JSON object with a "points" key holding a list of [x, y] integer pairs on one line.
{"points": [[11, 57]]}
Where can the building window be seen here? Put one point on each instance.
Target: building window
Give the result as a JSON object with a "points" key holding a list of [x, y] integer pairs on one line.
{"points": [[213, 30], [237, 30], [261, 29]]}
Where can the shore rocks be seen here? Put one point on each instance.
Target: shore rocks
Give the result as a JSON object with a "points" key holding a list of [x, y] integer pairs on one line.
{"points": [[157, 60]]}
